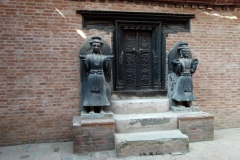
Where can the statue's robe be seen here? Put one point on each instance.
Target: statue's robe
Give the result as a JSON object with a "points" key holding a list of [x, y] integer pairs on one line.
{"points": [[95, 95], [184, 68]]}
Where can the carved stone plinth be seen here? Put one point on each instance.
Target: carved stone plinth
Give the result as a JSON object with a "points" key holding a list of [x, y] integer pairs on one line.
{"points": [[92, 135], [107, 114], [180, 109], [197, 126]]}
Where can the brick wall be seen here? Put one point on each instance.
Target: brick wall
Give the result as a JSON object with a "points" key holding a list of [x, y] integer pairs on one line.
{"points": [[94, 135], [198, 127], [215, 42], [39, 69]]}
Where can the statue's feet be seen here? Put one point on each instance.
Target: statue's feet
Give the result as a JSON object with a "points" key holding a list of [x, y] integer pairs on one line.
{"points": [[101, 110], [91, 110], [181, 106]]}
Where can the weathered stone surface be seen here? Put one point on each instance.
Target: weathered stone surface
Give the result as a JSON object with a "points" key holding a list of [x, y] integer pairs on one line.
{"points": [[76, 121], [151, 143], [129, 123], [93, 135], [198, 127], [180, 109], [143, 105], [181, 67], [107, 114], [95, 72]]}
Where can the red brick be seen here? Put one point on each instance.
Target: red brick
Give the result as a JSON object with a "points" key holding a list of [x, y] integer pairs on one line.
{"points": [[94, 135]]}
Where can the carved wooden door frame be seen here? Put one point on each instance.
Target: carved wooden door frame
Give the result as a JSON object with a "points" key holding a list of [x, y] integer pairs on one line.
{"points": [[158, 60]]}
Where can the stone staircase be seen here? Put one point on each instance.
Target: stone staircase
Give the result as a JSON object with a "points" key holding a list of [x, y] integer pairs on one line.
{"points": [[141, 126], [129, 123], [150, 143], [145, 126]]}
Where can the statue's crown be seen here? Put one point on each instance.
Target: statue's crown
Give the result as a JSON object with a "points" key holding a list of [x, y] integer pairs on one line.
{"points": [[182, 46], [96, 39]]}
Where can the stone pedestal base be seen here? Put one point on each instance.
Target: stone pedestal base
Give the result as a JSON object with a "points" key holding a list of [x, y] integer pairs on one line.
{"points": [[179, 109], [107, 114], [197, 126], [92, 135]]}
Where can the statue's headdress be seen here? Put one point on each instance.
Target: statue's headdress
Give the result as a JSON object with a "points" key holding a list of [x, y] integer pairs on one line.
{"points": [[96, 39], [182, 46]]}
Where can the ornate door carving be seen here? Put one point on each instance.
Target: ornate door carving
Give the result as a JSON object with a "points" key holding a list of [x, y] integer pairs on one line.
{"points": [[138, 56], [137, 59]]}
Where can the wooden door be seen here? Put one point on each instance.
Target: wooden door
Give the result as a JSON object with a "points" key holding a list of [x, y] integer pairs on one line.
{"points": [[137, 57]]}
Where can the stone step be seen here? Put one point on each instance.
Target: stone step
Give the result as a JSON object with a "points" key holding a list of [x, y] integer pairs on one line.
{"points": [[129, 123], [151, 143], [140, 105]]}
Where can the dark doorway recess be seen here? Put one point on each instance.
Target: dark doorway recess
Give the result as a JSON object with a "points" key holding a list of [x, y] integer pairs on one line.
{"points": [[138, 62], [139, 47]]}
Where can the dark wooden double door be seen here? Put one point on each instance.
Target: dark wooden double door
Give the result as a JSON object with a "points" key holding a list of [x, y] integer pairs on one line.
{"points": [[138, 58]]}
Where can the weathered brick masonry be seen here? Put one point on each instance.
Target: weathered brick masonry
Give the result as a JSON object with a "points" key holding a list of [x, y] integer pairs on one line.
{"points": [[39, 69], [94, 135], [198, 127]]}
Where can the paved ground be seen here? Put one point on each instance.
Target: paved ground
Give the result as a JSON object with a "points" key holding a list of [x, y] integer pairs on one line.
{"points": [[226, 146]]}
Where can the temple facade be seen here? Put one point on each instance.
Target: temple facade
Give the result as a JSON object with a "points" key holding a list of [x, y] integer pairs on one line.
{"points": [[40, 66]]}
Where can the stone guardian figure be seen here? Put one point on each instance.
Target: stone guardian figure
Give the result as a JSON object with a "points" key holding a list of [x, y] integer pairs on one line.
{"points": [[180, 75], [95, 74]]}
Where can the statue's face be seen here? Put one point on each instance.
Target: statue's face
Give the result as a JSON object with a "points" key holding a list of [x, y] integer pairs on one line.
{"points": [[96, 47], [184, 52]]}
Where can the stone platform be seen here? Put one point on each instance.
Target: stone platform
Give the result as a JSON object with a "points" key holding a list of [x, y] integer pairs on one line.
{"points": [[141, 126], [198, 126], [129, 123], [106, 115], [151, 143], [147, 126], [140, 105], [183, 109], [92, 135]]}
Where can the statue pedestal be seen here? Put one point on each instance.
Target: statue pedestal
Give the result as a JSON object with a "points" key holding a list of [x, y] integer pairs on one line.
{"points": [[197, 126], [107, 114], [92, 135], [180, 109]]}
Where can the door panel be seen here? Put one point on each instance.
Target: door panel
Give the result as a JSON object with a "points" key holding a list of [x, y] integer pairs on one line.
{"points": [[145, 69], [129, 42], [137, 59]]}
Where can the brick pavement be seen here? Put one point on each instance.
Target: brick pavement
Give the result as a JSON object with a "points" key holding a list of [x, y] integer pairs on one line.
{"points": [[224, 147]]}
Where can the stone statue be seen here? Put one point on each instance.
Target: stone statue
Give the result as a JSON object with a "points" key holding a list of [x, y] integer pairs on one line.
{"points": [[96, 72], [180, 75]]}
